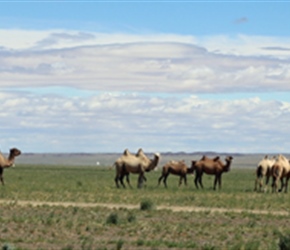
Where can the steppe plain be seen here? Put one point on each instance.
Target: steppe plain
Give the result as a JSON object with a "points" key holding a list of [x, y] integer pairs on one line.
{"points": [[70, 201]]}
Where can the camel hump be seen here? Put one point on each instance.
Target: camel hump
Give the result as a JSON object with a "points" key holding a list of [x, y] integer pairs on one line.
{"points": [[139, 152], [126, 152], [216, 158]]}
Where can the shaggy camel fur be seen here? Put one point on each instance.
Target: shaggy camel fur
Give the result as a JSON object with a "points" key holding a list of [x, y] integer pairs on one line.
{"points": [[211, 167], [8, 162], [122, 171], [264, 169], [136, 164], [280, 170], [176, 168]]}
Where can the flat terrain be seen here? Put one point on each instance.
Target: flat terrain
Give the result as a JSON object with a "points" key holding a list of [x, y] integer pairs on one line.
{"points": [[78, 207]]}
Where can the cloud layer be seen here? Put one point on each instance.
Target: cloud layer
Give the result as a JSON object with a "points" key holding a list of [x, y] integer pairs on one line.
{"points": [[142, 91]]}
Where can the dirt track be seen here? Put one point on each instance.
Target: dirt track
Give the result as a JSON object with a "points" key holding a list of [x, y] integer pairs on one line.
{"points": [[130, 206]]}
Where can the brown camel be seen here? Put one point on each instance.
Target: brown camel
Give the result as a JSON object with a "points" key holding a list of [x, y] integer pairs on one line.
{"points": [[176, 168], [211, 167], [280, 170], [136, 164], [8, 162]]}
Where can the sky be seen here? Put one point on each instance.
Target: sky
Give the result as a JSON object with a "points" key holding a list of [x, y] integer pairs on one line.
{"points": [[165, 76]]}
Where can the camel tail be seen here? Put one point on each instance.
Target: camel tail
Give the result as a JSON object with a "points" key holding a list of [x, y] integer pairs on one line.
{"points": [[259, 172], [276, 172]]}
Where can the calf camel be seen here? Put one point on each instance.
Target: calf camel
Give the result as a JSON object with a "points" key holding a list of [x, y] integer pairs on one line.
{"points": [[280, 170], [176, 168], [8, 162], [211, 167], [135, 164], [264, 169]]}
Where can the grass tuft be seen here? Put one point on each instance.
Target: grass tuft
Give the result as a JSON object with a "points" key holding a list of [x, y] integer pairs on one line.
{"points": [[146, 205]]}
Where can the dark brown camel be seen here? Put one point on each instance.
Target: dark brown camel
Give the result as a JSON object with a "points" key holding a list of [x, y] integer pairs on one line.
{"points": [[211, 167]]}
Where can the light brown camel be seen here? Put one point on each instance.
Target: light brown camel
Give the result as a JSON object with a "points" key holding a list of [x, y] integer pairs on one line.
{"points": [[122, 171], [280, 170], [211, 167], [8, 162], [136, 164], [264, 169], [176, 168]]}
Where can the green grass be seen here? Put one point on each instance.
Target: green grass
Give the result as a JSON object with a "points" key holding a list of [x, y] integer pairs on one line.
{"points": [[45, 227]]}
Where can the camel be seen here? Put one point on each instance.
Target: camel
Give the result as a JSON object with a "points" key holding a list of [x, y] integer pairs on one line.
{"points": [[211, 167], [121, 170], [264, 169], [136, 164], [280, 170], [176, 168], [8, 162]]}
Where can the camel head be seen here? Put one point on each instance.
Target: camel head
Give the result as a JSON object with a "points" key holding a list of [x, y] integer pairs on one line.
{"points": [[228, 163], [14, 152], [154, 161]]}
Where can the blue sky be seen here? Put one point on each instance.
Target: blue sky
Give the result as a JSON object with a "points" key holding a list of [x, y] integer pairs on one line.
{"points": [[102, 76]]}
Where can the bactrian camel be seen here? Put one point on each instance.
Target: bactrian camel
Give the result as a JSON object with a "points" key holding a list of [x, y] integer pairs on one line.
{"points": [[135, 164], [122, 171], [264, 170], [176, 168], [280, 170], [211, 167], [8, 162]]}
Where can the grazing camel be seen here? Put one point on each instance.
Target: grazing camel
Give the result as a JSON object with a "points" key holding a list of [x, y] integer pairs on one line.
{"points": [[280, 170], [264, 169], [8, 162], [211, 167], [136, 164], [176, 168]]}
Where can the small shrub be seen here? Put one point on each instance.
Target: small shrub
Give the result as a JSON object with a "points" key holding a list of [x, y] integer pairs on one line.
{"points": [[8, 246], [146, 205], [131, 217], [119, 244], [284, 242], [113, 218]]}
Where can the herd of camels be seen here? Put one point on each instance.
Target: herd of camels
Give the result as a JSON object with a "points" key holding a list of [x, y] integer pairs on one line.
{"points": [[277, 167]]}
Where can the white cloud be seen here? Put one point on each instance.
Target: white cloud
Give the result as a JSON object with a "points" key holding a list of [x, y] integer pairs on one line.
{"points": [[107, 122], [142, 91]]}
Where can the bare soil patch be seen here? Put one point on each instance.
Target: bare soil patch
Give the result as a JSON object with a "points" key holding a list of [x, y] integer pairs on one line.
{"points": [[136, 206]]}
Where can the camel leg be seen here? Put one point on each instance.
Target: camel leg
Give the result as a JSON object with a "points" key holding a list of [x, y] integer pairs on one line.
{"points": [[215, 182], [282, 185], [160, 179], [180, 181], [128, 180], [220, 181], [140, 180], [121, 178], [185, 180], [196, 180], [286, 185], [165, 180], [116, 181], [200, 180]]}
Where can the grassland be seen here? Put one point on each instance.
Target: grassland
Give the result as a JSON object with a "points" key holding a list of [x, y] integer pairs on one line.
{"points": [[78, 227]]}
